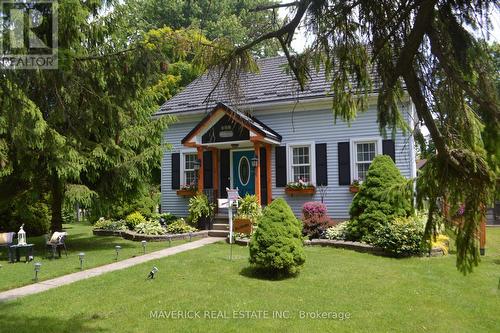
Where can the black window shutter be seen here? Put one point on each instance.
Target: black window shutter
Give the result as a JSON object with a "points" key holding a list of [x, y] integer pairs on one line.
{"points": [[280, 154], [388, 148], [225, 172], [344, 163], [176, 171], [208, 181], [321, 165], [263, 176]]}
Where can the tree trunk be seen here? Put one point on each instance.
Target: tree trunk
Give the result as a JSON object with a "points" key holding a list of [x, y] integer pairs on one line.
{"points": [[57, 201]]}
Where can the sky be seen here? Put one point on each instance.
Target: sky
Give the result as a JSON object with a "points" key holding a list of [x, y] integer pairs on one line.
{"points": [[301, 39]]}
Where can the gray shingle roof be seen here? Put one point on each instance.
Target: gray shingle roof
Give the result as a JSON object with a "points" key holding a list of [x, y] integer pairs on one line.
{"points": [[272, 84]]}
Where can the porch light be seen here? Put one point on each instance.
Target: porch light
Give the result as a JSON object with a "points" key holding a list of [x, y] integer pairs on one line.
{"points": [[197, 164], [255, 161]]}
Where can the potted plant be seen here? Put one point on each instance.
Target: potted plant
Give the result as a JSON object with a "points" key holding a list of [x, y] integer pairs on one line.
{"points": [[249, 210], [201, 211], [300, 187], [354, 187], [187, 190]]}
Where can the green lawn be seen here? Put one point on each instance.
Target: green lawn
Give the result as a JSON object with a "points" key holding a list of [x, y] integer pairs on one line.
{"points": [[380, 294], [98, 251]]}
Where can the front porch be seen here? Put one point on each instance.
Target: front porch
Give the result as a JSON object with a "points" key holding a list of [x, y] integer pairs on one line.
{"points": [[228, 149]]}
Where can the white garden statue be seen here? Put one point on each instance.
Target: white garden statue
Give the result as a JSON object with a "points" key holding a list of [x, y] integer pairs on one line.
{"points": [[21, 236]]}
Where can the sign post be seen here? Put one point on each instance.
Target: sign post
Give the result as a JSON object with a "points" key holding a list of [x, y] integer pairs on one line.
{"points": [[232, 198]]}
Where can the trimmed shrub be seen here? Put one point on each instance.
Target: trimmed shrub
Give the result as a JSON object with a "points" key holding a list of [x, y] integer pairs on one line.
{"points": [[312, 208], [402, 237], [382, 197], [134, 219], [149, 228], [179, 227], [337, 232], [277, 246], [315, 219], [103, 224]]}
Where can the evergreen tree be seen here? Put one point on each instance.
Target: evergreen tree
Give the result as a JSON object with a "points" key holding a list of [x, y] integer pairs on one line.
{"points": [[89, 122], [277, 246], [423, 48]]}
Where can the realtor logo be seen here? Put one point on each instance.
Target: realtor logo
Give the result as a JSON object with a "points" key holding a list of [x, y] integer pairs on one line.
{"points": [[28, 34]]}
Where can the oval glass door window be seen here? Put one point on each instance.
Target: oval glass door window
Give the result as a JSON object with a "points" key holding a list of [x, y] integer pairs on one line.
{"points": [[244, 170]]}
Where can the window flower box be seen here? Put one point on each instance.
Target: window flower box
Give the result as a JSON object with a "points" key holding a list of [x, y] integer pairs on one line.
{"points": [[354, 187], [186, 191], [300, 188]]}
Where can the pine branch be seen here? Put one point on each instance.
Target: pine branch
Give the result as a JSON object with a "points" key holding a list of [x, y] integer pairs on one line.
{"points": [[275, 6]]}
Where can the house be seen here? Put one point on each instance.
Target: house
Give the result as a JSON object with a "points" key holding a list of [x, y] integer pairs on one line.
{"points": [[272, 135]]}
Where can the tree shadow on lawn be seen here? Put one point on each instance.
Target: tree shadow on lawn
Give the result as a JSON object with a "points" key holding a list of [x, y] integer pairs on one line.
{"points": [[254, 272], [30, 323]]}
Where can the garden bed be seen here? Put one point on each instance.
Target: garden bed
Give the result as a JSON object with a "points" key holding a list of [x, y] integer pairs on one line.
{"points": [[100, 232], [363, 247], [134, 236], [355, 246]]}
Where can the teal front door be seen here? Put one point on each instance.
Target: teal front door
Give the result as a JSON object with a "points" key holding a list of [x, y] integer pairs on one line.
{"points": [[243, 173]]}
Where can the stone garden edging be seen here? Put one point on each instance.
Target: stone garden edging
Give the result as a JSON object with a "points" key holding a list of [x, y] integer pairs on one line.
{"points": [[355, 246], [133, 236]]}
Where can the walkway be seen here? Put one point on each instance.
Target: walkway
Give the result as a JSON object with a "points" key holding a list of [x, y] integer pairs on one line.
{"points": [[70, 278]]}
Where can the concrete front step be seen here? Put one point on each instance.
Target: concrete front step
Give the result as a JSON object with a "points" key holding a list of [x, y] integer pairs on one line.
{"points": [[218, 233], [221, 226]]}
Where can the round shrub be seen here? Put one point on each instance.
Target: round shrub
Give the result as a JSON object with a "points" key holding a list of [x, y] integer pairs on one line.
{"points": [[315, 219], [134, 219], [382, 197], [313, 208], [276, 246], [402, 237]]}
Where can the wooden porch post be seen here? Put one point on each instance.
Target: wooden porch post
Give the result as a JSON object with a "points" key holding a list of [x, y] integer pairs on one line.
{"points": [[268, 176], [257, 171], [200, 172]]}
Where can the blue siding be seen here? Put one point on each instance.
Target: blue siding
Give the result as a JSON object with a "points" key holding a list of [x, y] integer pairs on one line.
{"points": [[317, 126]]}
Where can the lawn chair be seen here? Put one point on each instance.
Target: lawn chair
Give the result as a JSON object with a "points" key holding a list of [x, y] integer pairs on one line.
{"points": [[56, 242], [6, 240]]}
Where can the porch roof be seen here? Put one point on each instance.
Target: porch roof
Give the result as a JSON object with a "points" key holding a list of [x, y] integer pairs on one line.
{"points": [[260, 131]]}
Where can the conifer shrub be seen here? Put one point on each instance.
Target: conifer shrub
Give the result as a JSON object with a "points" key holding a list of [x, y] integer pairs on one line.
{"points": [[382, 197], [277, 246]]}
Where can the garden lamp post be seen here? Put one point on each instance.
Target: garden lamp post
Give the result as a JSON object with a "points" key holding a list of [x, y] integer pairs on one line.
{"points": [[152, 273], [81, 256], [37, 269], [143, 246], [117, 249]]}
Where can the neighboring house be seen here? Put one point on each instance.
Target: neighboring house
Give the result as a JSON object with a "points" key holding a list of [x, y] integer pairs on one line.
{"points": [[287, 134]]}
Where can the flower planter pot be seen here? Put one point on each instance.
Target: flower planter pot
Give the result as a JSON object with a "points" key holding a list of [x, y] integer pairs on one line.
{"points": [[186, 193], [353, 188], [242, 226], [300, 191]]}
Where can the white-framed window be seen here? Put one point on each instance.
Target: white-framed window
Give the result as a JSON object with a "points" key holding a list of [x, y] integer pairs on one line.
{"points": [[301, 162], [188, 173], [363, 151]]}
